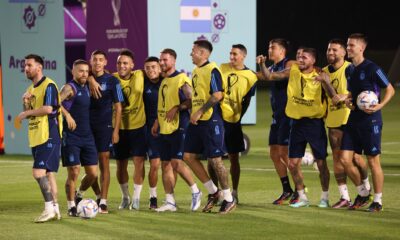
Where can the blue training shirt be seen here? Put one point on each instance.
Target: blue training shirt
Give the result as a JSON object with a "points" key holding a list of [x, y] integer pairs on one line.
{"points": [[278, 95], [101, 109], [78, 106], [150, 98], [365, 76]]}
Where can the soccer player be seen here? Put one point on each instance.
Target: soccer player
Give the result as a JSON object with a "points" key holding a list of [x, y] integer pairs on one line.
{"points": [[132, 132], [306, 106], [174, 101], [78, 143], [205, 134], [152, 83], [280, 126], [336, 119], [364, 128], [101, 122], [41, 105], [240, 87]]}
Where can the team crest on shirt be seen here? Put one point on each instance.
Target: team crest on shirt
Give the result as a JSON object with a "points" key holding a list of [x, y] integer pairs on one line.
{"points": [[103, 86], [362, 75]]}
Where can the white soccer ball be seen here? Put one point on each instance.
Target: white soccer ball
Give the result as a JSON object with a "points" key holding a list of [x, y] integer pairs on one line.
{"points": [[87, 208], [366, 99], [308, 159]]}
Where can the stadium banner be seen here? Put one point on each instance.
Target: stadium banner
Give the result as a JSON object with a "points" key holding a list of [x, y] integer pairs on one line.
{"points": [[177, 24], [116, 24], [28, 26]]}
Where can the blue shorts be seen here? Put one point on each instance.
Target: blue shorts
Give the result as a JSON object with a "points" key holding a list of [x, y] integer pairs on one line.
{"points": [[172, 145], [363, 137], [103, 137], [78, 150], [153, 145], [47, 156], [234, 137], [132, 143], [279, 131], [311, 131], [207, 138]]}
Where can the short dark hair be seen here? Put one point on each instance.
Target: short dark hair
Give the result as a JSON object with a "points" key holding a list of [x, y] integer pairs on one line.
{"points": [[339, 41], [359, 36], [281, 42], [241, 47], [152, 59], [204, 44], [169, 51], [80, 62], [311, 51], [35, 57], [128, 53], [99, 52]]}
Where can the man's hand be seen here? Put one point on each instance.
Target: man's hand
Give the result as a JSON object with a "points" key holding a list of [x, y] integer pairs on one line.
{"points": [[71, 122], [261, 59], [154, 128], [170, 116], [349, 103], [373, 108], [338, 98], [115, 136], [196, 116], [95, 88]]}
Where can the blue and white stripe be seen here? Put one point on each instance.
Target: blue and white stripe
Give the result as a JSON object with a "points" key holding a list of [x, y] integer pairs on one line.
{"points": [[382, 76], [119, 93]]}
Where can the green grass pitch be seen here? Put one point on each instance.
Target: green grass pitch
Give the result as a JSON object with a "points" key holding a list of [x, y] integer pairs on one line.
{"points": [[254, 218]]}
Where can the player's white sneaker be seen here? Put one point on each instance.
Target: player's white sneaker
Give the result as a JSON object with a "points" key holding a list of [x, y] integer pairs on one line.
{"points": [[57, 211], [324, 203], [135, 204], [196, 201], [124, 203], [167, 207], [47, 215]]}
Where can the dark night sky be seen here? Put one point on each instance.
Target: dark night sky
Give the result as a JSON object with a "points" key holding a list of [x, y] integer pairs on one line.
{"points": [[314, 23]]}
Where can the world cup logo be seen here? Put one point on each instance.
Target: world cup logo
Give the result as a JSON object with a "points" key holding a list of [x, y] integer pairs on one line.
{"points": [[194, 84], [232, 80], [163, 94], [116, 6], [126, 94], [303, 84]]}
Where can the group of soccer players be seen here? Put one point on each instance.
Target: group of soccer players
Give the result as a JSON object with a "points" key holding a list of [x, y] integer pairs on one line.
{"points": [[160, 114], [304, 99]]}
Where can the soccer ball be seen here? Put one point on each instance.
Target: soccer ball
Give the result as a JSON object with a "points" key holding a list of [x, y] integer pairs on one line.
{"points": [[87, 208], [366, 99], [308, 159]]}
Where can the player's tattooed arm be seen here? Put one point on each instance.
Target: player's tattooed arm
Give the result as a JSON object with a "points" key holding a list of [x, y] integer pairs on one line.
{"points": [[214, 99], [187, 91], [66, 92], [187, 104]]}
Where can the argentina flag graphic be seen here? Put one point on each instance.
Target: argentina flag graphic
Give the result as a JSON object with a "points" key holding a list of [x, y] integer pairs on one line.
{"points": [[195, 16]]}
